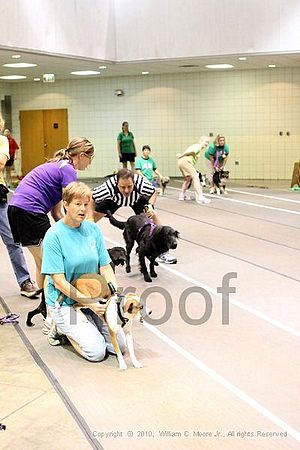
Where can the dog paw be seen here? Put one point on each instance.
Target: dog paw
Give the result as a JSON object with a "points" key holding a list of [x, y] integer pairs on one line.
{"points": [[153, 274], [137, 364], [148, 279], [123, 366], [128, 269]]}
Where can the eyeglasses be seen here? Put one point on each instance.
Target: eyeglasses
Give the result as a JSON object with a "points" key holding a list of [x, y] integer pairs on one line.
{"points": [[89, 156]]}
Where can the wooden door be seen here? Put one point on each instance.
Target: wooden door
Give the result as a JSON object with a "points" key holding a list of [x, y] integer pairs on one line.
{"points": [[42, 133], [32, 139], [55, 130]]}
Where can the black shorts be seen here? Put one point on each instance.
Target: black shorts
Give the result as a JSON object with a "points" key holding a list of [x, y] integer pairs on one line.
{"points": [[127, 157], [110, 205], [27, 228]]}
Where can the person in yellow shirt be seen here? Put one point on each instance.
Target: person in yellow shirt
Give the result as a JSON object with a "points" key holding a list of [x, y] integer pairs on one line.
{"points": [[186, 163]]}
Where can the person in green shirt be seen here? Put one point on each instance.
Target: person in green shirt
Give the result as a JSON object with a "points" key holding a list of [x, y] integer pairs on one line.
{"points": [[146, 166], [126, 146], [216, 157]]}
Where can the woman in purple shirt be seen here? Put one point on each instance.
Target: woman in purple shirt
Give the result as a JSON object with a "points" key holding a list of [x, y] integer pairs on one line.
{"points": [[40, 192]]}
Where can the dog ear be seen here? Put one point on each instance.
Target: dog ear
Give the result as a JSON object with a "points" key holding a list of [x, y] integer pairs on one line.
{"points": [[130, 308], [177, 234]]}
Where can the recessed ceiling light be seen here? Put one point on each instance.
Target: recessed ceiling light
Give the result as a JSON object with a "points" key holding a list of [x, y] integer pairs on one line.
{"points": [[219, 66], [16, 56], [242, 58], [188, 65], [85, 72], [272, 65], [13, 77], [36, 79], [145, 73], [19, 65], [102, 67]]}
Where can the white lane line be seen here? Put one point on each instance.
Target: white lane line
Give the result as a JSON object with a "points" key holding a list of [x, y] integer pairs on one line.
{"points": [[289, 211], [226, 384], [236, 303], [255, 194], [272, 197]]}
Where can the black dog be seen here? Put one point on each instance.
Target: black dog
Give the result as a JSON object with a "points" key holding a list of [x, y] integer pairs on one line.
{"points": [[202, 179], [117, 256], [152, 240], [219, 180]]}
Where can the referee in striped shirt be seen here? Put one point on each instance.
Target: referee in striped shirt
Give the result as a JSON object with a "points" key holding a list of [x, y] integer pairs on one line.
{"points": [[127, 189]]}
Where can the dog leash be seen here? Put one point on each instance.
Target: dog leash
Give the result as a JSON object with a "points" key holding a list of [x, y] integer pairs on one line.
{"points": [[123, 319], [10, 318]]}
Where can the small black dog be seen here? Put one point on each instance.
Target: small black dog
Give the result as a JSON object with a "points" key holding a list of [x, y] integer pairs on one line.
{"points": [[202, 179], [117, 256], [219, 180], [152, 240]]}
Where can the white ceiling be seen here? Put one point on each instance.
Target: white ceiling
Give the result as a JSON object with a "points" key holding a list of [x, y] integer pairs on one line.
{"points": [[62, 66]]}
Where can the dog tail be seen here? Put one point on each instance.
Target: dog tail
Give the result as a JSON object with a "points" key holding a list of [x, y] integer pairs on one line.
{"points": [[115, 222]]}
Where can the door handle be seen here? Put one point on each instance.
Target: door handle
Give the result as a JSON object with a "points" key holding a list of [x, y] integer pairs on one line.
{"points": [[45, 145]]}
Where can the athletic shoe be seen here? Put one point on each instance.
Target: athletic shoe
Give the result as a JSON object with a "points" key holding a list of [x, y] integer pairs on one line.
{"points": [[55, 335], [166, 258], [203, 200], [184, 196], [28, 289]]}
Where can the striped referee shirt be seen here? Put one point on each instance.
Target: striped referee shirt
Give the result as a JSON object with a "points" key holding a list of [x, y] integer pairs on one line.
{"points": [[109, 191]]}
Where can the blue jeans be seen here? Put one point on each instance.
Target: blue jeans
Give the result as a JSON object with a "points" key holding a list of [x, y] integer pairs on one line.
{"points": [[14, 250]]}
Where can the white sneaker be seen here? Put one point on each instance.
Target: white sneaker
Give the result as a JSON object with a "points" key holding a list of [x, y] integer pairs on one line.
{"points": [[203, 200], [184, 196], [166, 258], [54, 335], [212, 191]]}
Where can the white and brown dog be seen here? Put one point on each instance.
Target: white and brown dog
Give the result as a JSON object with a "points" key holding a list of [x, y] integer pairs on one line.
{"points": [[119, 314]]}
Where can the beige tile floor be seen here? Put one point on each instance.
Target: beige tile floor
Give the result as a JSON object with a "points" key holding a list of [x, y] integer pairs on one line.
{"points": [[207, 386]]}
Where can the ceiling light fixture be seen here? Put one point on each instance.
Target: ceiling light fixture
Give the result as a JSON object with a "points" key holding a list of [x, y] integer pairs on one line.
{"points": [[13, 77], [145, 73], [188, 66], [272, 65], [102, 67], [85, 72], [19, 65], [242, 58], [48, 78], [219, 66], [36, 79], [16, 56]]}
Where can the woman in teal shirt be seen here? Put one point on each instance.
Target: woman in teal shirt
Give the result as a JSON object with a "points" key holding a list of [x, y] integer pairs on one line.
{"points": [[73, 247], [126, 146]]}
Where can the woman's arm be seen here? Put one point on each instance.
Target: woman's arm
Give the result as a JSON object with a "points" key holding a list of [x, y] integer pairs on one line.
{"points": [[119, 147], [57, 212], [133, 143], [108, 274]]}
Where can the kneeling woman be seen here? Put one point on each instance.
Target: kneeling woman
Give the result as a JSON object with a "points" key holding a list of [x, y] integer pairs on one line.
{"points": [[71, 248]]}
